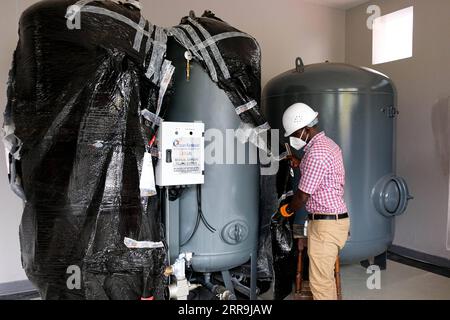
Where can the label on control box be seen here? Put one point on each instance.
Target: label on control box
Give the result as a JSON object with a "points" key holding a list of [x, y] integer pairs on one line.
{"points": [[187, 155]]}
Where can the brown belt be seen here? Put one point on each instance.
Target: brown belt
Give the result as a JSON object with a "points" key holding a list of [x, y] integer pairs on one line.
{"points": [[327, 216]]}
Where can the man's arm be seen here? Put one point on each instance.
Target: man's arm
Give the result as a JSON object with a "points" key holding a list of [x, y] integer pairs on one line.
{"points": [[298, 201]]}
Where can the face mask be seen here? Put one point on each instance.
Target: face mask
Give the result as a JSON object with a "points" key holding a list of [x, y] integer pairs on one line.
{"points": [[298, 143]]}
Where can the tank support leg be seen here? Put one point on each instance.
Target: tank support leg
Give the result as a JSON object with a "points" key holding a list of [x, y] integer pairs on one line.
{"points": [[365, 263], [381, 261], [253, 275], [227, 281]]}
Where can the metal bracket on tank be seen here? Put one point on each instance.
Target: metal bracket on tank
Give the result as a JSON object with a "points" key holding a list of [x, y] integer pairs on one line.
{"points": [[299, 65]]}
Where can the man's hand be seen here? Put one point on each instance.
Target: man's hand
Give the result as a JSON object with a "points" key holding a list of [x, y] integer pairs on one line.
{"points": [[282, 213], [299, 200], [294, 161], [286, 211]]}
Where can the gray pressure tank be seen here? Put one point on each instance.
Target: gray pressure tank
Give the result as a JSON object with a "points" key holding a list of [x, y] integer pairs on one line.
{"points": [[357, 110], [230, 195]]}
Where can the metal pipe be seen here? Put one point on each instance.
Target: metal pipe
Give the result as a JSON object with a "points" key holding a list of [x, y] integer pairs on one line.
{"points": [[180, 290], [172, 224], [244, 290], [217, 290], [253, 276]]}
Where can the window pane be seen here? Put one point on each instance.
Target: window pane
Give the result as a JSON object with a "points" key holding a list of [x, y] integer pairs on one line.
{"points": [[393, 36]]}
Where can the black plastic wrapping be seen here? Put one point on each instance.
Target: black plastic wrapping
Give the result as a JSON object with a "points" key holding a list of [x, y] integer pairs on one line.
{"points": [[74, 102], [284, 257], [242, 57], [268, 205], [74, 98], [276, 254]]}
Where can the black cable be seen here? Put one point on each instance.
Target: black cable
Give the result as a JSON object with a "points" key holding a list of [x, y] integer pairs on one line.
{"points": [[199, 205], [197, 224], [200, 216]]}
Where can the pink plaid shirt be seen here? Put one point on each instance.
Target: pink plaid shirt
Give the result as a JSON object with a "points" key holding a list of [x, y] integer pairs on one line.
{"points": [[323, 176]]}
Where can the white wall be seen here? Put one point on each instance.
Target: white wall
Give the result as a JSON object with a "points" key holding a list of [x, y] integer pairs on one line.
{"points": [[285, 29]]}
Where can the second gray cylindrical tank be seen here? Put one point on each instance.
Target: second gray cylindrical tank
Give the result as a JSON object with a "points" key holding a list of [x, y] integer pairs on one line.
{"points": [[230, 195], [357, 110]]}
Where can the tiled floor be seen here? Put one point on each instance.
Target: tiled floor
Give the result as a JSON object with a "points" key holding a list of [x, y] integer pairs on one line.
{"points": [[398, 282]]}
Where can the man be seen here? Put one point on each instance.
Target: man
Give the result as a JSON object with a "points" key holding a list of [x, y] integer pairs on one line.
{"points": [[321, 189]]}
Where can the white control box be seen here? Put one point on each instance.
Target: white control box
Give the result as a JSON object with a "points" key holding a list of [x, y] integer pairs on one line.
{"points": [[182, 149]]}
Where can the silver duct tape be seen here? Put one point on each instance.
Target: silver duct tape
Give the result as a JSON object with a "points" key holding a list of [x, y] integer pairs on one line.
{"points": [[217, 55], [121, 18], [13, 144], [183, 40], [206, 57], [248, 133], [17, 146], [246, 107], [151, 117], [262, 128], [148, 46], [8, 131], [84, 2], [134, 3], [167, 73], [220, 37], [156, 60], [161, 36], [281, 157], [285, 196], [181, 37], [74, 9], [244, 132], [201, 46], [261, 143], [258, 140], [133, 244], [139, 35]]}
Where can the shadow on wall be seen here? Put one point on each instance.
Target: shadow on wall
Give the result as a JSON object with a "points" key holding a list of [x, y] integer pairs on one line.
{"points": [[440, 121]]}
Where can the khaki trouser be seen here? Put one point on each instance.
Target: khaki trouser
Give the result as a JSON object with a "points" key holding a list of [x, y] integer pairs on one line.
{"points": [[325, 239]]}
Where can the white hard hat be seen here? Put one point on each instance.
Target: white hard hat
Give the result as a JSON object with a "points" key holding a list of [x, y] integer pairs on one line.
{"points": [[298, 116]]}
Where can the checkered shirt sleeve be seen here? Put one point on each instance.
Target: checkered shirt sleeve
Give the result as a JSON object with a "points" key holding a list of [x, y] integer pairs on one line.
{"points": [[313, 174]]}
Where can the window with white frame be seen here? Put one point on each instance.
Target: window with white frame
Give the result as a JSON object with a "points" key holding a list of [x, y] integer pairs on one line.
{"points": [[393, 36]]}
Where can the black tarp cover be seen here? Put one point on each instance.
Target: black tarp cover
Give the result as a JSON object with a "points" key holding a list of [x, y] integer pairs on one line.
{"points": [[76, 140]]}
